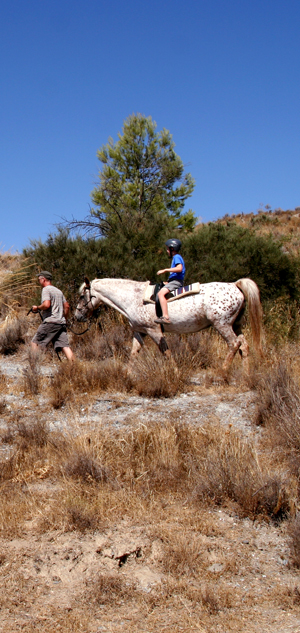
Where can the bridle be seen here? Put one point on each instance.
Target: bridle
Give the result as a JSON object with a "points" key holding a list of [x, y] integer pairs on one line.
{"points": [[82, 298]]}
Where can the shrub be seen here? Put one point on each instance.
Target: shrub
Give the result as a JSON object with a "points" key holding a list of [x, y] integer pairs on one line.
{"points": [[31, 373], [154, 376], [76, 377], [230, 468], [12, 335], [226, 253], [84, 467], [294, 533], [279, 409]]}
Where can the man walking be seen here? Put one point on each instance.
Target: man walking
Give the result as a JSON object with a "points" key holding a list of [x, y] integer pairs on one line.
{"points": [[55, 309]]}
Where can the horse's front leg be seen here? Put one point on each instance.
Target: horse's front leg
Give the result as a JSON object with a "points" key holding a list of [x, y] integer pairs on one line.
{"points": [[137, 344]]}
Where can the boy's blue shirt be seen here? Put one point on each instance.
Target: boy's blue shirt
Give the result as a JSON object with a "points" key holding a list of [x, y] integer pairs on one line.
{"points": [[177, 259]]}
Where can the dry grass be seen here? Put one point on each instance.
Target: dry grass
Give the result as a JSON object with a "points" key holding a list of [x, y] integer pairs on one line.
{"points": [[232, 469], [31, 373], [279, 412], [80, 378], [294, 533], [151, 375], [110, 473], [112, 339], [19, 283], [111, 590], [12, 335]]}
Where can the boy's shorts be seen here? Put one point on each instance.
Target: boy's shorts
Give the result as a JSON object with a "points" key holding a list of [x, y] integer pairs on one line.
{"points": [[51, 332], [173, 284]]}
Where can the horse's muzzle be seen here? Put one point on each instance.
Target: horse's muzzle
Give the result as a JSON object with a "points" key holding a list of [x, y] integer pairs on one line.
{"points": [[82, 318]]}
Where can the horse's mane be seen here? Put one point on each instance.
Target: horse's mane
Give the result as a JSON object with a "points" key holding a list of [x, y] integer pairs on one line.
{"points": [[130, 281]]}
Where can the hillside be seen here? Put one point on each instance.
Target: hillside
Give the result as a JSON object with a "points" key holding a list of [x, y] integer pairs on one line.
{"points": [[161, 499], [282, 225]]}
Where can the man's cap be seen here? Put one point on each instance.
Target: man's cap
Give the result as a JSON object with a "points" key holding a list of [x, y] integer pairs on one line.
{"points": [[46, 274]]}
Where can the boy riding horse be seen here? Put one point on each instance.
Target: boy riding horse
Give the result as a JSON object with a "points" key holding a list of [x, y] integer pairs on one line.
{"points": [[176, 277]]}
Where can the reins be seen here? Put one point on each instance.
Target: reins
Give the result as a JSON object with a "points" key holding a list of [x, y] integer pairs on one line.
{"points": [[84, 331], [91, 319]]}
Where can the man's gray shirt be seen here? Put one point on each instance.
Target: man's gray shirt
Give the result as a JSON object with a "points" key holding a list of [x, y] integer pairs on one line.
{"points": [[55, 314]]}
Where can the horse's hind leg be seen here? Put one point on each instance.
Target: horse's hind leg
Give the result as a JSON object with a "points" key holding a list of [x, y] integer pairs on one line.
{"points": [[234, 343], [244, 347], [244, 352]]}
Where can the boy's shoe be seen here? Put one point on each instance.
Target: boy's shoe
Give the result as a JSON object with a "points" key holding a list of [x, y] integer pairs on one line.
{"points": [[162, 319]]}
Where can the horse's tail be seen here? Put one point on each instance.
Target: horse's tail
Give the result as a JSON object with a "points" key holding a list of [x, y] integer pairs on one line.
{"points": [[251, 292]]}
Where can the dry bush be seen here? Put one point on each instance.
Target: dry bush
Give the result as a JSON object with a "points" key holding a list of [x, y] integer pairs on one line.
{"points": [[183, 556], [154, 376], [281, 321], [14, 508], [210, 599], [287, 597], [230, 468], [13, 335], [18, 283], [111, 590], [31, 373], [110, 340], [82, 466], [31, 434], [199, 350], [279, 411], [7, 469], [294, 534], [25, 434], [81, 515], [3, 382], [148, 456], [113, 473], [77, 377]]}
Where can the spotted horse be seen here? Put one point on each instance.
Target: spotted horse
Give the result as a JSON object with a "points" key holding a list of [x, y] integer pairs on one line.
{"points": [[219, 305]]}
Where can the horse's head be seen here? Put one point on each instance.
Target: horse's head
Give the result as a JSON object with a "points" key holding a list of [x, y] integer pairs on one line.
{"points": [[86, 304]]}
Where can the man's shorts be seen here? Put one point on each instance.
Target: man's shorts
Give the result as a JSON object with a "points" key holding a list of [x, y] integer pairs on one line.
{"points": [[51, 332], [173, 284]]}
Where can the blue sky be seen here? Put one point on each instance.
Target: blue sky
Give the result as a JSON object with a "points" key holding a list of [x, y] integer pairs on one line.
{"points": [[221, 75]]}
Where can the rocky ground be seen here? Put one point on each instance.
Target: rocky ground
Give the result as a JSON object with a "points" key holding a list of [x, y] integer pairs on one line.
{"points": [[245, 578]]}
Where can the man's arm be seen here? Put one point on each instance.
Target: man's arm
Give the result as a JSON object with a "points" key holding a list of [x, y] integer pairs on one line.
{"points": [[66, 308], [44, 306]]}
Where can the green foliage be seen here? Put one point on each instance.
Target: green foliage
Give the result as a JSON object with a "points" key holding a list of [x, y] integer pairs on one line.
{"points": [[212, 253], [68, 259], [139, 201], [141, 182], [226, 253]]}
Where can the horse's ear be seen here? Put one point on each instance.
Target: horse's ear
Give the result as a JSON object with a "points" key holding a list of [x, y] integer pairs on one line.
{"points": [[87, 282]]}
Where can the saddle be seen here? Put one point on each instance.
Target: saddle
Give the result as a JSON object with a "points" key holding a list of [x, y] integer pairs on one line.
{"points": [[179, 293]]}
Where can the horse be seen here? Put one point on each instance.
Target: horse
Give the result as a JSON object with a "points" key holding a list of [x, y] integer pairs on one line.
{"points": [[218, 304]]}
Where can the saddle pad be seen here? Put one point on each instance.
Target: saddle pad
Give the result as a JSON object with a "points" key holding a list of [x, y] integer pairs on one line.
{"points": [[191, 289]]}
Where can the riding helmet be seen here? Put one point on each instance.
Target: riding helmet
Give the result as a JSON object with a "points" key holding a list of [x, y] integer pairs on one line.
{"points": [[174, 244]]}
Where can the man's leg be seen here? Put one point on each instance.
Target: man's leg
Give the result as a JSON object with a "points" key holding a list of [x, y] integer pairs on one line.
{"points": [[68, 353]]}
